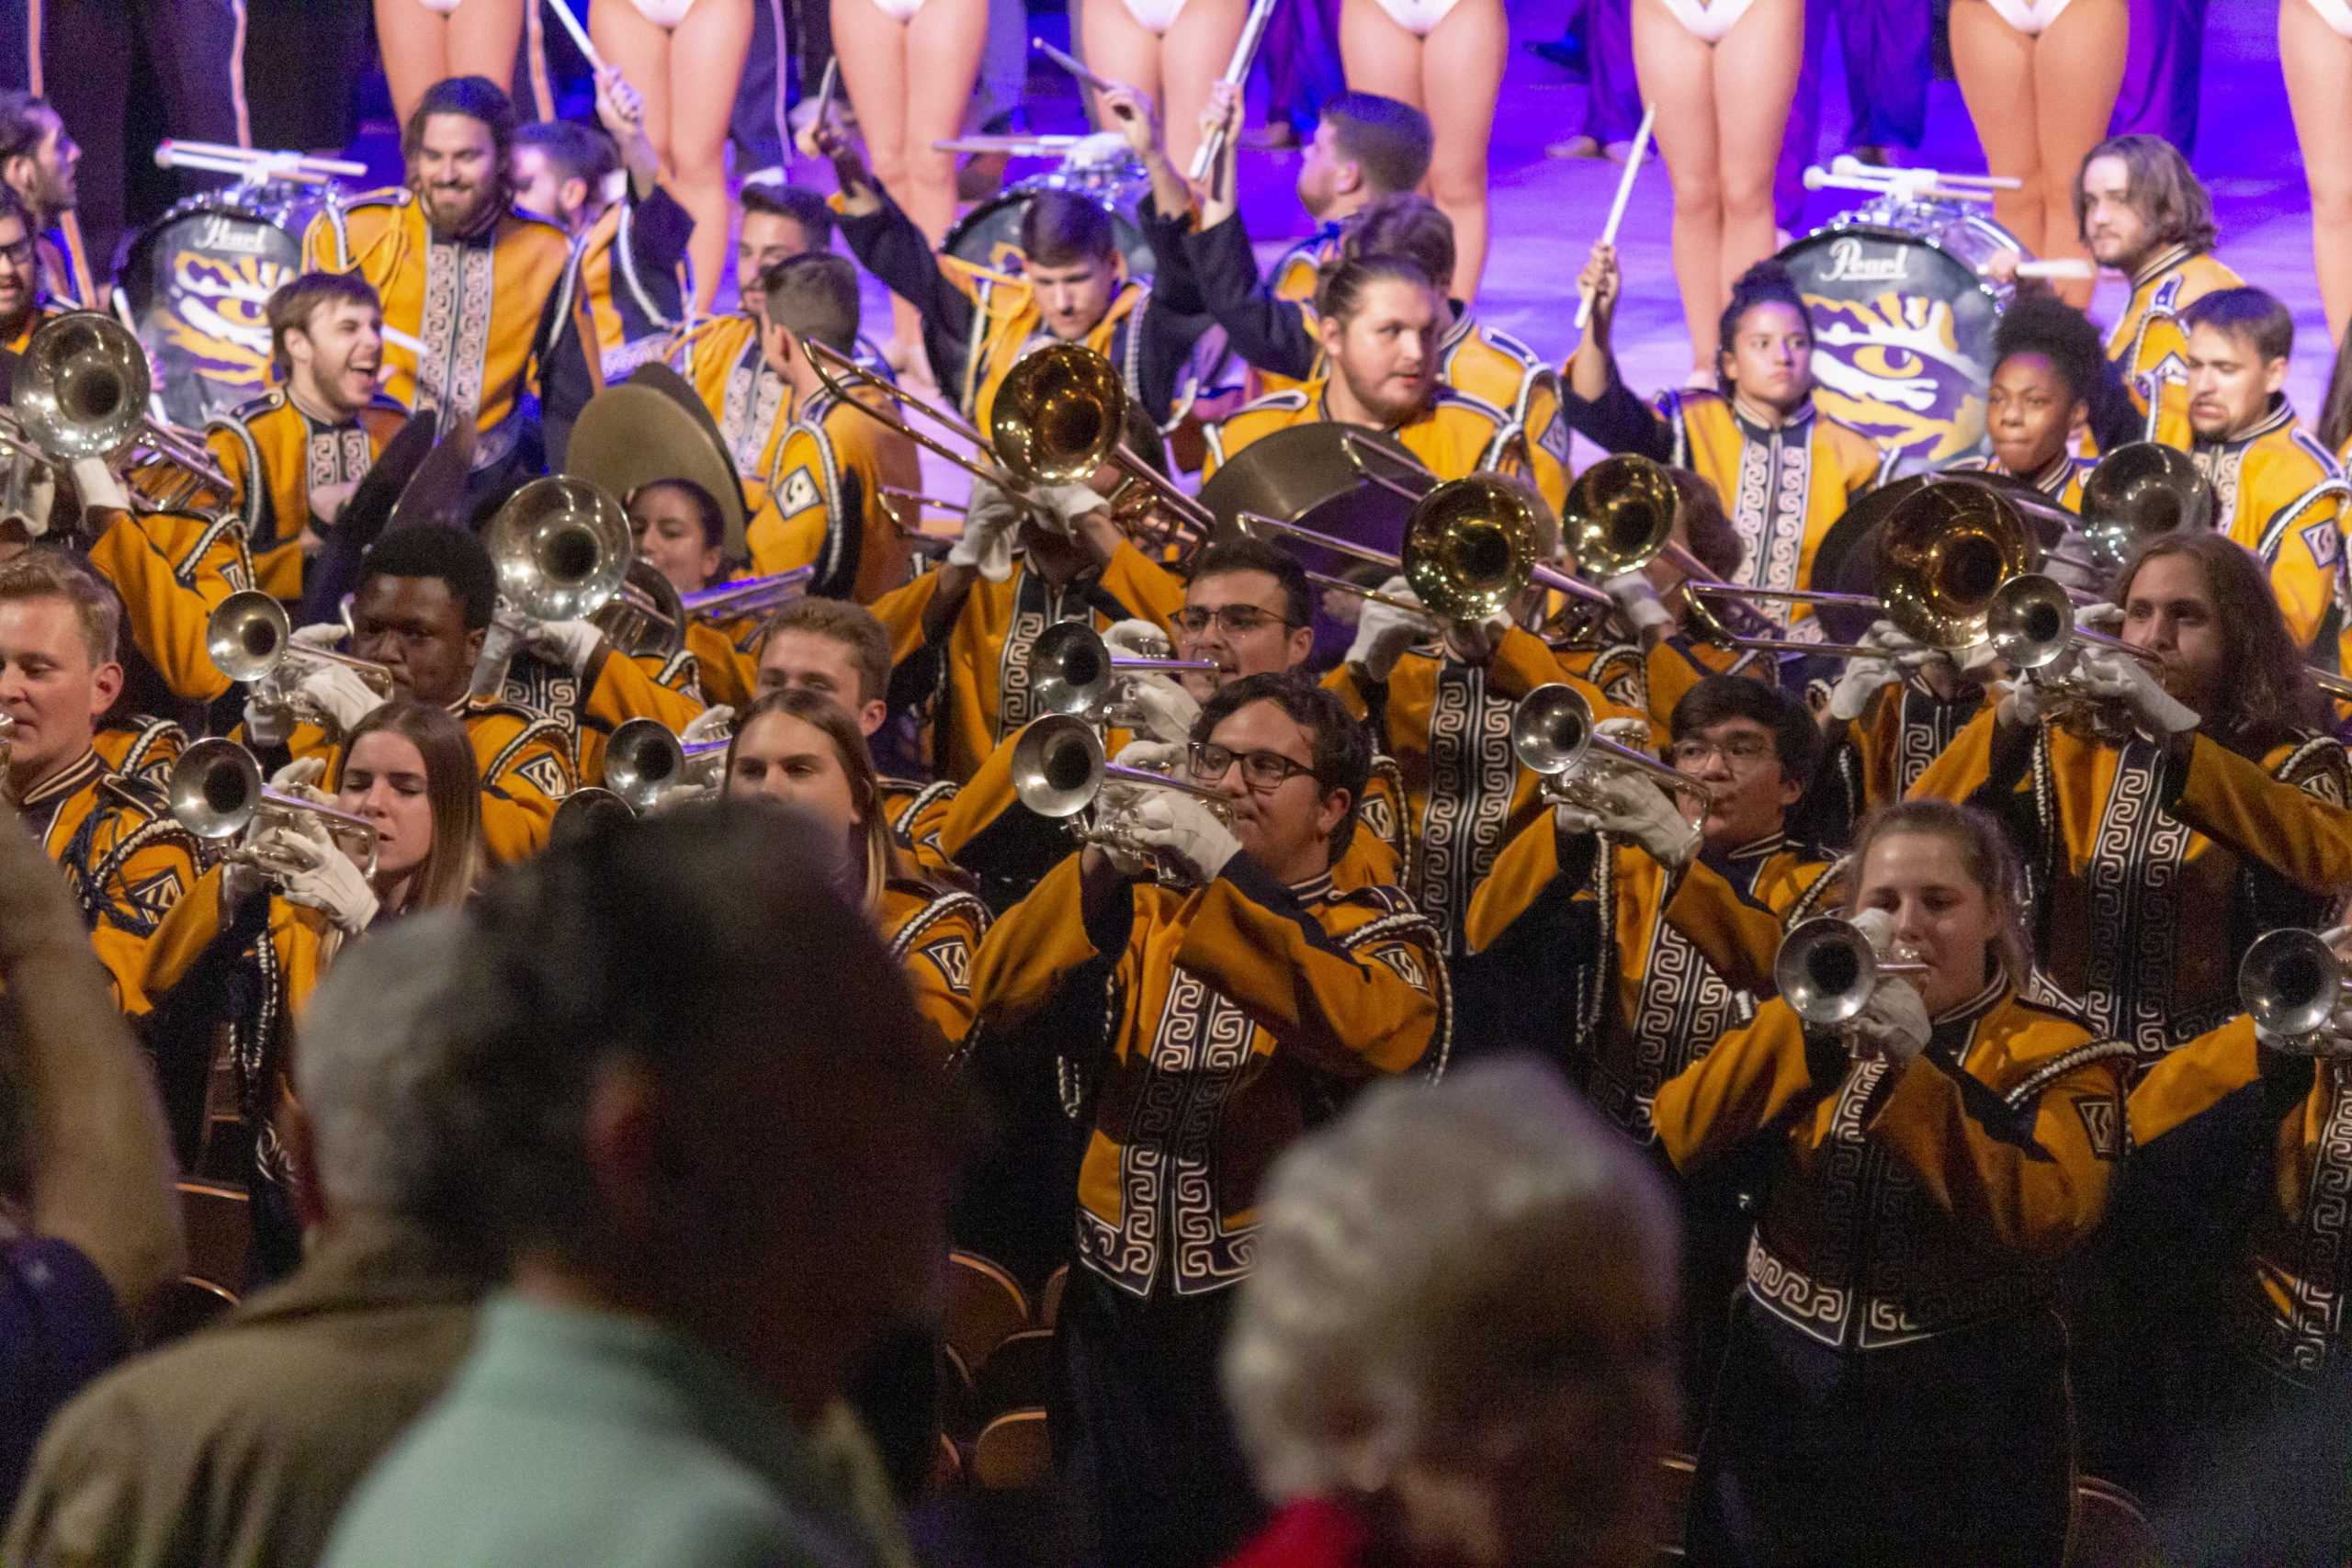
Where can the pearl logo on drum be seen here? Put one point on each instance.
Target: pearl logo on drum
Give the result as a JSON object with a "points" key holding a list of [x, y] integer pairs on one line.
{"points": [[1848, 264]]}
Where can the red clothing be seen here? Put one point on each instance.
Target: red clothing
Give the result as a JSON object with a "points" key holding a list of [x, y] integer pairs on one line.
{"points": [[1315, 1532]]}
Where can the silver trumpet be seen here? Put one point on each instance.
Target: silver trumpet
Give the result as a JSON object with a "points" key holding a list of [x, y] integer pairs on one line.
{"points": [[1072, 671], [251, 641], [2031, 624], [584, 807], [1551, 734], [2291, 983], [1059, 769], [1828, 968], [647, 615], [644, 761], [561, 548], [217, 792]]}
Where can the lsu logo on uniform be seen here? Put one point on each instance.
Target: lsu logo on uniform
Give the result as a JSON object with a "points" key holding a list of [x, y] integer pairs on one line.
{"points": [[799, 493], [2101, 1127], [545, 773], [954, 959], [1406, 962], [2325, 542]]}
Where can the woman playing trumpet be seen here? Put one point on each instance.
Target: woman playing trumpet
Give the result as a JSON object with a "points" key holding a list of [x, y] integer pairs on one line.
{"points": [[1896, 1348], [246, 946]]}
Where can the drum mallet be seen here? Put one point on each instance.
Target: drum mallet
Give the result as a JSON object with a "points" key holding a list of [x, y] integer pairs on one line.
{"points": [[1617, 208], [579, 36]]}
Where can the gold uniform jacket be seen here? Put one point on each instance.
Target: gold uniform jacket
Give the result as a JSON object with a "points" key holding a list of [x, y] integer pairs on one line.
{"points": [[720, 358], [1910, 1199], [1454, 437], [2282, 495], [1229, 1012], [824, 505], [2221, 1108], [125, 858], [2150, 879], [1880, 757], [276, 455], [932, 931], [1679, 955], [498, 314], [172, 572], [140, 746], [2148, 348], [2061, 481]]}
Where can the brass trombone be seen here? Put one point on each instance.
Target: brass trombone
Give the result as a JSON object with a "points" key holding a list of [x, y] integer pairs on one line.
{"points": [[1828, 968], [2291, 983], [1059, 769], [1072, 671], [250, 640], [216, 792], [1551, 734], [648, 613], [2135, 492], [561, 548], [644, 762]]}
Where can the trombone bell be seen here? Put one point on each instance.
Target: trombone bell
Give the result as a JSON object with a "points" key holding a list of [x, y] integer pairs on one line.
{"points": [[2290, 982]]}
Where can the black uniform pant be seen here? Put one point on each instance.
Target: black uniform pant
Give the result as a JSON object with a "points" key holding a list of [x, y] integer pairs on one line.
{"points": [[1149, 1465]]}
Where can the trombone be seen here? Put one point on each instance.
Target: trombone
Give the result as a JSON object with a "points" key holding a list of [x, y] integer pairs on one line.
{"points": [[2137, 492], [1828, 968], [1072, 671], [561, 548], [81, 390], [644, 762], [216, 792], [1059, 769], [250, 640], [648, 613], [2290, 982], [1551, 734]]}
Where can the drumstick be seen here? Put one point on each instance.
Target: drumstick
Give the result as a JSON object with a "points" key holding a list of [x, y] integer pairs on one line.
{"points": [[1617, 208], [832, 79], [578, 35], [1237, 73], [1072, 64], [2071, 269]]}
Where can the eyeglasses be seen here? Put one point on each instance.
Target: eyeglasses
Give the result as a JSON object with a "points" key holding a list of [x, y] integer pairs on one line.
{"points": [[1740, 751], [1264, 772], [20, 254], [1234, 620]]}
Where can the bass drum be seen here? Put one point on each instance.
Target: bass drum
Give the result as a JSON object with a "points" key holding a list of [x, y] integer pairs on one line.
{"points": [[197, 285], [989, 235], [1902, 322]]}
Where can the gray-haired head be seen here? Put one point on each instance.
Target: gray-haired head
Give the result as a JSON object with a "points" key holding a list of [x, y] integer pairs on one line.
{"points": [[1482, 1268]]}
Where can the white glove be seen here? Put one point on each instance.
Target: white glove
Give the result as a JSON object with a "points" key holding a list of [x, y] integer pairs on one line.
{"points": [[1058, 507], [1137, 639], [99, 485], [1185, 831], [1637, 601], [331, 883], [1894, 1023], [336, 691], [1975, 663], [1385, 632], [2114, 676], [1168, 711], [300, 778], [568, 644], [711, 724], [1628, 806], [990, 520], [1478, 642], [322, 634], [1863, 679], [2099, 617], [1152, 755]]}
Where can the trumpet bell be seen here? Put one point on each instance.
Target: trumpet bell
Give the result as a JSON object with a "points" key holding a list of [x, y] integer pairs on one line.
{"points": [[561, 547], [214, 788], [2138, 490], [1070, 669], [1058, 415], [1826, 970], [1470, 546], [246, 634], [1619, 514], [1059, 765], [2030, 621], [2289, 982], [80, 389], [1944, 553], [642, 759], [1551, 729]]}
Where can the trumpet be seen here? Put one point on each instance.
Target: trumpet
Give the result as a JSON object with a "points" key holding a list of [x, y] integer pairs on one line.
{"points": [[649, 614], [561, 548], [1828, 968], [216, 792], [579, 811], [1551, 734], [2032, 624], [1072, 671], [251, 641], [644, 762], [81, 390], [1059, 769], [2290, 982]]}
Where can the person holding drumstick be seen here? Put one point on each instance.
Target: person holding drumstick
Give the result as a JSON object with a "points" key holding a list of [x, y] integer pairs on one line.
{"points": [[1173, 52]]}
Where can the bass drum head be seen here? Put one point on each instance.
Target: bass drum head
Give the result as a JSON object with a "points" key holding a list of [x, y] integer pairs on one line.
{"points": [[197, 281], [1902, 337], [989, 235]]}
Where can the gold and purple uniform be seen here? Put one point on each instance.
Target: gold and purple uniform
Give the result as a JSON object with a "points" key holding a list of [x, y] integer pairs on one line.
{"points": [[496, 315], [173, 570], [824, 505], [140, 746], [124, 857], [1229, 1007], [276, 453], [616, 687], [2151, 878], [721, 359], [2149, 349], [2282, 495], [934, 933], [2061, 481], [1879, 758]]}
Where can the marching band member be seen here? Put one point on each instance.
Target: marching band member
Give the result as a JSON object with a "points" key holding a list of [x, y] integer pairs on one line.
{"points": [[2046, 369], [409, 770], [1786, 469], [1237, 993], [686, 59], [24, 303], [978, 323], [681, 533], [1380, 319], [2280, 493], [825, 505], [172, 571], [1171, 54], [632, 252], [422, 609], [1887, 718], [721, 355], [297, 453], [2143, 213], [112, 834], [508, 320], [800, 745], [1933, 1164], [39, 162], [1673, 965], [2158, 859]]}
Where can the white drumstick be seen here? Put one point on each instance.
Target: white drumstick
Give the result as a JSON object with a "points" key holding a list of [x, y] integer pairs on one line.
{"points": [[1617, 208], [2069, 269], [578, 35]]}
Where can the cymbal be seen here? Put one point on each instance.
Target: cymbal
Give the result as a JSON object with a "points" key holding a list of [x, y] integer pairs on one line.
{"points": [[653, 427]]}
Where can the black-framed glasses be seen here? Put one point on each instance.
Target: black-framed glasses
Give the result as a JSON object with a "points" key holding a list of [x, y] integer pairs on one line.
{"points": [[1740, 751], [21, 253], [1261, 771], [1234, 620]]}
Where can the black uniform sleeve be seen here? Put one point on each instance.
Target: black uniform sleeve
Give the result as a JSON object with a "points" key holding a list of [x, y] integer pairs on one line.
{"points": [[887, 245], [1271, 334], [1617, 420]]}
